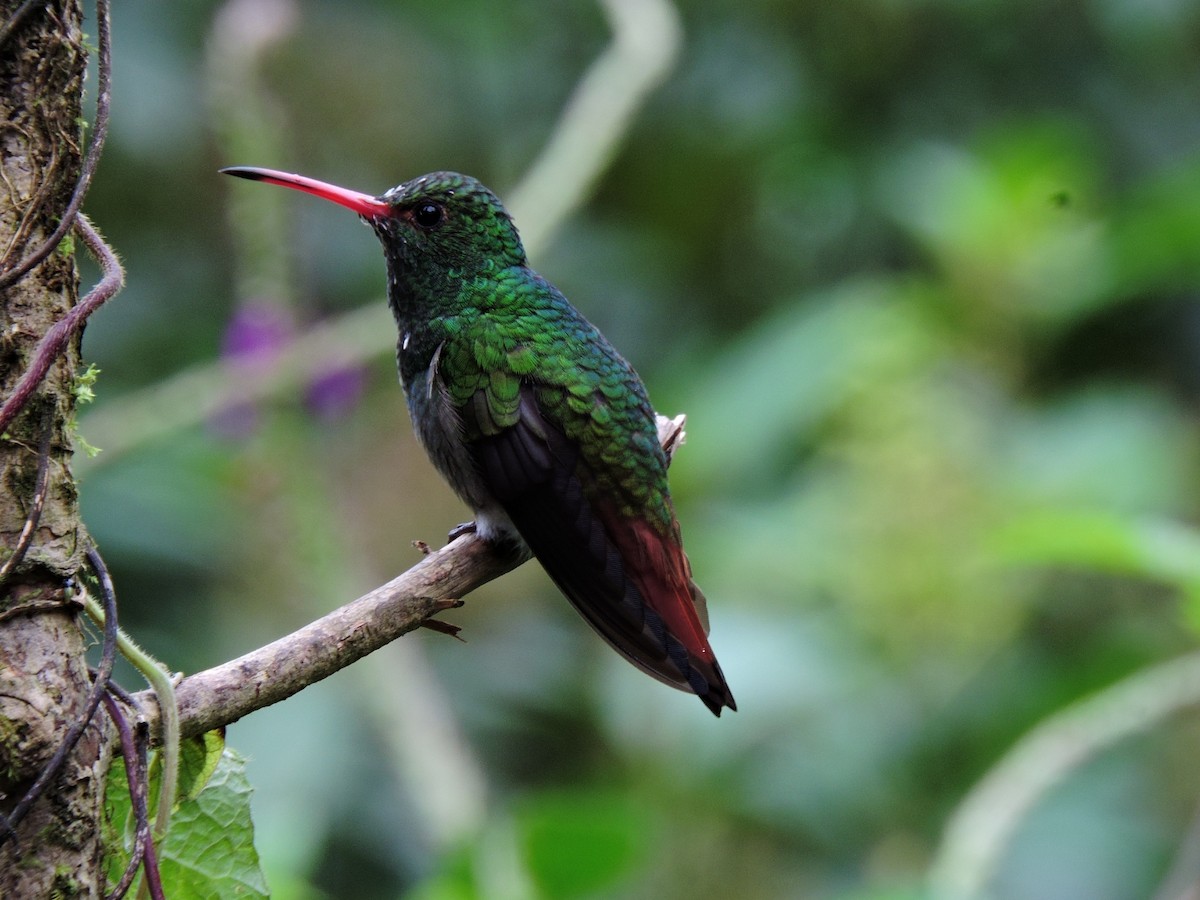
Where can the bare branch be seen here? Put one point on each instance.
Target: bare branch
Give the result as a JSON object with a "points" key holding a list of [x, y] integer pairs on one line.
{"points": [[224, 694], [262, 677]]}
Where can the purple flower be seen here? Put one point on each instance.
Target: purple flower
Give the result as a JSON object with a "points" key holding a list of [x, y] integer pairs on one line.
{"points": [[256, 332], [336, 392], [252, 340]]}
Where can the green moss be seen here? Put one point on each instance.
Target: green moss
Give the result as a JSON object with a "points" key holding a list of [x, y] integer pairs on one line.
{"points": [[10, 751], [84, 387], [65, 884]]}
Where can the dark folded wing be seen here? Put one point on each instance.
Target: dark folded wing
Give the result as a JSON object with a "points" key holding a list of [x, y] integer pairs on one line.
{"points": [[631, 584]]}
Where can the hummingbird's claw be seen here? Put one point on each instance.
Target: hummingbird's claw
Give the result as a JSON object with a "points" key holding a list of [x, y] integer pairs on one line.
{"points": [[459, 530]]}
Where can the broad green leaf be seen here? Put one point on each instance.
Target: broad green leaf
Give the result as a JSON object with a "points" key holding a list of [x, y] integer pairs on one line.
{"points": [[208, 853]]}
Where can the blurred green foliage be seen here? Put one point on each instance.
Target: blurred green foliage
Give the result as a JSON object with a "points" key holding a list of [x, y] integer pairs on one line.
{"points": [[924, 277]]}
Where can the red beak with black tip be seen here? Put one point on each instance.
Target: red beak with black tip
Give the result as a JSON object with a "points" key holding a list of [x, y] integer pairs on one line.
{"points": [[363, 204]]}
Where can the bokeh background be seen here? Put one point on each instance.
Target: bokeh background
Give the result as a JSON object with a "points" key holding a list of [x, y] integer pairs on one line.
{"points": [[923, 275]]}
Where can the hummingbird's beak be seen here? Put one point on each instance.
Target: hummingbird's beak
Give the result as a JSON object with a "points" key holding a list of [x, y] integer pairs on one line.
{"points": [[363, 204]]}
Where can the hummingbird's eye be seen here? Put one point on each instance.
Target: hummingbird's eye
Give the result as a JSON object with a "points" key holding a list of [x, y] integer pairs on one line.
{"points": [[428, 215]]}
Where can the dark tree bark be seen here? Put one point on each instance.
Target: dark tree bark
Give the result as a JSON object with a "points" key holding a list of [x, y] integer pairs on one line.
{"points": [[43, 671]]}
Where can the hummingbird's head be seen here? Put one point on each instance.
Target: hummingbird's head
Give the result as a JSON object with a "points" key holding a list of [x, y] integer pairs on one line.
{"points": [[437, 227], [446, 222]]}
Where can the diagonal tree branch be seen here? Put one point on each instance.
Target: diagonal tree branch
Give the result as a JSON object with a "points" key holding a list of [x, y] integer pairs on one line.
{"points": [[224, 693]]}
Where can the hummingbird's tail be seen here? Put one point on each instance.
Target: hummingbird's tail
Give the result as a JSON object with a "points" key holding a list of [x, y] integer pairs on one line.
{"points": [[633, 585], [674, 615], [627, 578]]}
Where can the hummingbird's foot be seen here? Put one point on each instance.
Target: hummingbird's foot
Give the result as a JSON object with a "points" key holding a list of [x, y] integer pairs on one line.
{"points": [[507, 544], [459, 530]]}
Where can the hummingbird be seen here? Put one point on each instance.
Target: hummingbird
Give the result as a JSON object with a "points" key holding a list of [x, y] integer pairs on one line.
{"points": [[534, 419]]}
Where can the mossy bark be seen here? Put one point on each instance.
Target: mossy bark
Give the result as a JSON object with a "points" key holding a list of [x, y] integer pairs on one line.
{"points": [[43, 670]]}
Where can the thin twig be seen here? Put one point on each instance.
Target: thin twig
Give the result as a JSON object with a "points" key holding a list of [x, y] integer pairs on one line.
{"points": [[163, 687], [99, 687], [227, 692], [983, 825], [38, 503], [16, 19], [133, 750], [127, 698], [645, 43], [99, 132], [55, 341], [150, 856]]}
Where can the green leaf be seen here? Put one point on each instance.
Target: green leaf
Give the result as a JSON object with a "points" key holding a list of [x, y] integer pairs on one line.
{"points": [[118, 820], [208, 853], [198, 761], [209, 850], [579, 843], [1155, 549]]}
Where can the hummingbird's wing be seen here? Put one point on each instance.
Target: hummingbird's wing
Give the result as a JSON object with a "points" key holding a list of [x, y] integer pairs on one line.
{"points": [[630, 582]]}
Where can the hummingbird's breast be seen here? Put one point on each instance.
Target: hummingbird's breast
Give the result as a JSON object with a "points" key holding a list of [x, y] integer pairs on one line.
{"points": [[439, 428]]}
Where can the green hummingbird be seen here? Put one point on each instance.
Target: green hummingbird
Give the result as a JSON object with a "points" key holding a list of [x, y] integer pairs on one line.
{"points": [[538, 424]]}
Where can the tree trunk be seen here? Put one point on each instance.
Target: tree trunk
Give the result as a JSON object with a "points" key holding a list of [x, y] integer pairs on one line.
{"points": [[43, 671]]}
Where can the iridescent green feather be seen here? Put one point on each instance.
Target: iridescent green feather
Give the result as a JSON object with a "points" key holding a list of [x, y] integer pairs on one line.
{"points": [[497, 325]]}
